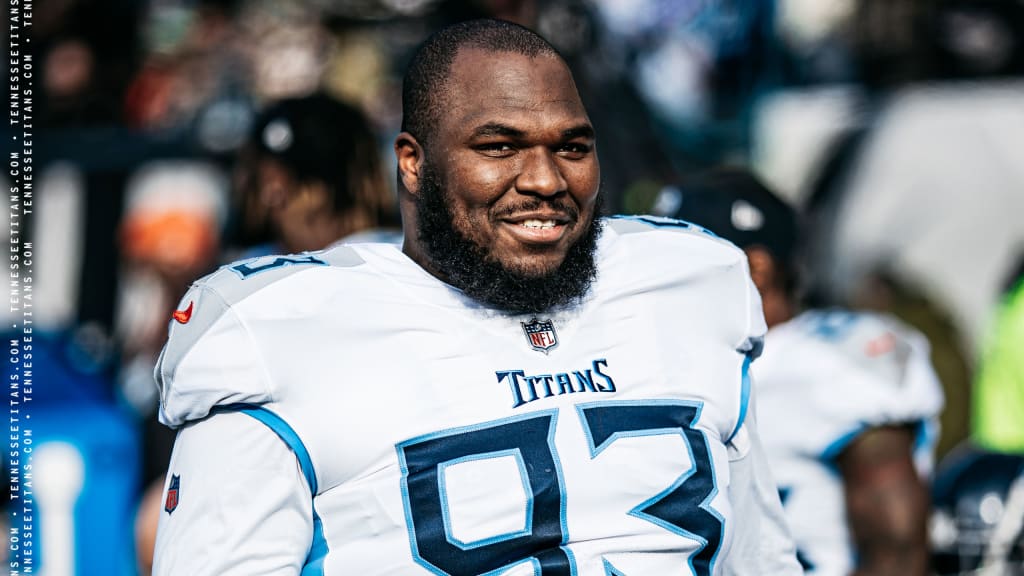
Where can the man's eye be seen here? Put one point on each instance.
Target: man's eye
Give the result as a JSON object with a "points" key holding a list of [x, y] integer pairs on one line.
{"points": [[575, 149], [495, 148]]}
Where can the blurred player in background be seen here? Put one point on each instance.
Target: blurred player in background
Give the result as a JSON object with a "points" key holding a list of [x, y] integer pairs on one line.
{"points": [[978, 525], [848, 401], [311, 175]]}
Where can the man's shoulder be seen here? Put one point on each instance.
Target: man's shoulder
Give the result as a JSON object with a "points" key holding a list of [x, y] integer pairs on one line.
{"points": [[860, 336], [238, 280], [663, 237], [630, 224], [222, 323], [683, 268], [877, 355], [266, 285]]}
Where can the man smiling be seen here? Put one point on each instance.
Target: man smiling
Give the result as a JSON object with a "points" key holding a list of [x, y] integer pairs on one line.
{"points": [[502, 175], [524, 388]]}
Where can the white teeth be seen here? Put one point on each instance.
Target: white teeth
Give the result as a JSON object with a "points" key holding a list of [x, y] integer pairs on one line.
{"points": [[539, 223]]}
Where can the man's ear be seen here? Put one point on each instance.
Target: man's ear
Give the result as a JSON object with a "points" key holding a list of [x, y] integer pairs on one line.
{"points": [[410, 161]]}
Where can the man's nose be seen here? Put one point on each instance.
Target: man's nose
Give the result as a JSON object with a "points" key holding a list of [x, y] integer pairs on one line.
{"points": [[540, 173]]}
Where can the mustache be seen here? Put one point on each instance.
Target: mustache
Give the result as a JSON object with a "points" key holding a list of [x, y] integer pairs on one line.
{"points": [[561, 207]]}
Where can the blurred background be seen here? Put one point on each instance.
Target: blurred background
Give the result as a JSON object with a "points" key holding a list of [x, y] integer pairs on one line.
{"points": [[897, 126]]}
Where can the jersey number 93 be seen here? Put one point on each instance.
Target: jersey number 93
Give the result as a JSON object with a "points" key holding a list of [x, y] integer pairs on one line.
{"points": [[527, 443]]}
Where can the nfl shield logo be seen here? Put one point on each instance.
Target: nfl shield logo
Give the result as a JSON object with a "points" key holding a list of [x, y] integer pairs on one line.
{"points": [[171, 502], [540, 334]]}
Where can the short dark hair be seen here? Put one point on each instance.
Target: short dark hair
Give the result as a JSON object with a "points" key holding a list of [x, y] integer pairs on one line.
{"points": [[424, 84]]}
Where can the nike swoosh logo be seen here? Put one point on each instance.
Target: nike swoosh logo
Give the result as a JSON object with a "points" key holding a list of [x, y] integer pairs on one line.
{"points": [[183, 316]]}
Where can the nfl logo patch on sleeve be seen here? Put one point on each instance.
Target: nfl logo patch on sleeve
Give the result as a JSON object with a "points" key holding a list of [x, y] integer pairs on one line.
{"points": [[171, 502]]}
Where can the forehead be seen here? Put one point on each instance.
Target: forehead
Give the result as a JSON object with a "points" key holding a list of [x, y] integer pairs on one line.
{"points": [[509, 87]]}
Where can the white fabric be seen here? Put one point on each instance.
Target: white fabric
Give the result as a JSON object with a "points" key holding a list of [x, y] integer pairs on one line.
{"points": [[243, 507], [756, 487], [935, 197], [825, 377], [415, 403]]}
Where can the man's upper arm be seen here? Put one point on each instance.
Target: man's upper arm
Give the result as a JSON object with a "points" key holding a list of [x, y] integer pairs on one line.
{"points": [[242, 504], [886, 502]]}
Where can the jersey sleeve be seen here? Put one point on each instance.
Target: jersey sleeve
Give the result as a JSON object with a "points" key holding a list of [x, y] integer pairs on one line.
{"points": [[877, 372], [209, 360], [236, 502], [761, 543]]}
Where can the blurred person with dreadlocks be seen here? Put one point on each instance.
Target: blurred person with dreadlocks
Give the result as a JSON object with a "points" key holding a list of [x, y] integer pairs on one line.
{"points": [[311, 175], [848, 401]]}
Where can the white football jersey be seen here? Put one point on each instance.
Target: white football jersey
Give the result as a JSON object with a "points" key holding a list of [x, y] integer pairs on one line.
{"points": [[825, 377], [425, 434]]}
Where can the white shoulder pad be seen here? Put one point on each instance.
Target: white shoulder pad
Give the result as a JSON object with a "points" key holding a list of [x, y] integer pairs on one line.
{"points": [[688, 248], [629, 224], [670, 233], [879, 356], [210, 358], [871, 342], [239, 279]]}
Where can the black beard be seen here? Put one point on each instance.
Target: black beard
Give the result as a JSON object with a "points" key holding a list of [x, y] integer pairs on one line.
{"points": [[470, 268]]}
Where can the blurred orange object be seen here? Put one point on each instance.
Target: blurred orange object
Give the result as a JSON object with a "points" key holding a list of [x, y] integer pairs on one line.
{"points": [[173, 242]]}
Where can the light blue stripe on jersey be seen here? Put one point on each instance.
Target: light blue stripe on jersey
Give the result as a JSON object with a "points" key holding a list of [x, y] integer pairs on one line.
{"points": [[610, 569], [924, 435], [318, 549], [282, 429], [829, 454], [744, 396]]}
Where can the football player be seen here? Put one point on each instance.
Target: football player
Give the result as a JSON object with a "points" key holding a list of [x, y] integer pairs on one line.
{"points": [[848, 401], [522, 388]]}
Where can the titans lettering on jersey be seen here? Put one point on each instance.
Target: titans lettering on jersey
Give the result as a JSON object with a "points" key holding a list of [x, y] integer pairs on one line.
{"points": [[528, 388], [439, 438]]}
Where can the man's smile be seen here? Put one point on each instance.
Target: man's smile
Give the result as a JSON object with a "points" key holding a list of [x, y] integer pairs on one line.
{"points": [[538, 228]]}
